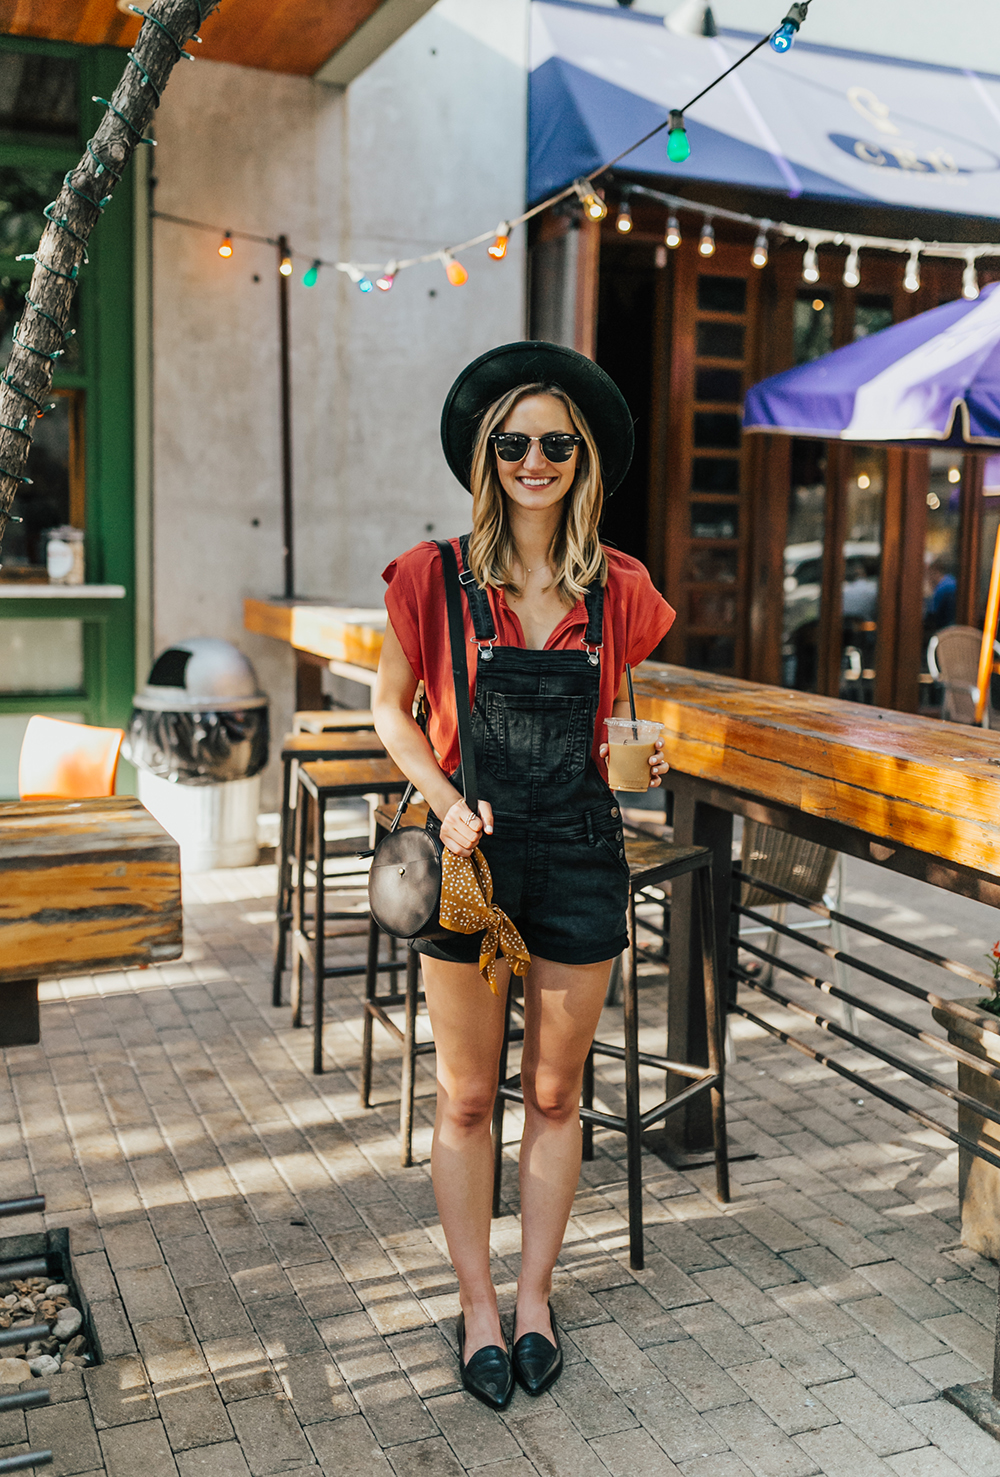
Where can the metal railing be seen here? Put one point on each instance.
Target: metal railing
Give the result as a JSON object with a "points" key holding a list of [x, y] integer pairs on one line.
{"points": [[880, 1052], [23, 1399]]}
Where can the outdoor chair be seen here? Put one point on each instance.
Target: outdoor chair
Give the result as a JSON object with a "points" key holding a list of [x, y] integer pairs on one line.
{"points": [[302, 747], [319, 783], [652, 863], [67, 761], [953, 660]]}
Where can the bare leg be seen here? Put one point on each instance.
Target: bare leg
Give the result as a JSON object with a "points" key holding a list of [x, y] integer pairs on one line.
{"points": [[467, 1020], [562, 1008]]}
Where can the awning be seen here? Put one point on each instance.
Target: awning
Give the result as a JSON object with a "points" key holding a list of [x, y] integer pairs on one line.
{"points": [[816, 121]]}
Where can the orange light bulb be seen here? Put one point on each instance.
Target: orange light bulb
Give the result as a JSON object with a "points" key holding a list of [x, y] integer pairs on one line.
{"points": [[457, 275], [226, 245]]}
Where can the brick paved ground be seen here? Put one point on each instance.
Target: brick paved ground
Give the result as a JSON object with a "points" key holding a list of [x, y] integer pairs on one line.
{"points": [[272, 1293]]}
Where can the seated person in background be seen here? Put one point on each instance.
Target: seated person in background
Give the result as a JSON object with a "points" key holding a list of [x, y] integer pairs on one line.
{"points": [[941, 595]]}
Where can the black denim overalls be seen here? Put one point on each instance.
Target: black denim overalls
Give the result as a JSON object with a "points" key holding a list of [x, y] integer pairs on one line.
{"points": [[556, 853]]}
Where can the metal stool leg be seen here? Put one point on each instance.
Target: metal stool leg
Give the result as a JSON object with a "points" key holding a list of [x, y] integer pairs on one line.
{"points": [[713, 1017], [633, 1125], [587, 1101], [371, 990], [319, 935], [283, 907], [498, 1104], [406, 1083], [299, 919]]}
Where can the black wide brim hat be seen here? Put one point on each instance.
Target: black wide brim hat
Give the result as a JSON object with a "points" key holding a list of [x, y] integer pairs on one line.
{"points": [[534, 362]]}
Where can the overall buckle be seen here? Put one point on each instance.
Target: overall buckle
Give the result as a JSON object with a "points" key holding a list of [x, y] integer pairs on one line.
{"points": [[485, 648], [592, 651]]}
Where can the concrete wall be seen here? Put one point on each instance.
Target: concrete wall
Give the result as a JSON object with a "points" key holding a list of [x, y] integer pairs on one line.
{"points": [[425, 148]]}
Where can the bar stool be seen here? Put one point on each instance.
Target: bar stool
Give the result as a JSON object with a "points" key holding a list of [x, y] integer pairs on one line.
{"points": [[377, 1006], [319, 783], [651, 861], [301, 748]]}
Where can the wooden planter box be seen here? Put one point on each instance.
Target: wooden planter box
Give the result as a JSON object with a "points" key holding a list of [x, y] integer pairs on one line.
{"points": [[978, 1182]]}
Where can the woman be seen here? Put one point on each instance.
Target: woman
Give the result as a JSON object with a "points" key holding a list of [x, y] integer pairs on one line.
{"points": [[538, 434]]}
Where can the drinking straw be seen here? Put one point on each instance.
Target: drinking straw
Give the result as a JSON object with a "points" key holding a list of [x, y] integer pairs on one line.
{"points": [[631, 702]]}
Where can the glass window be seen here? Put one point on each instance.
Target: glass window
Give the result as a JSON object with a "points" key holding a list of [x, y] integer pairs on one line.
{"points": [[41, 656], [719, 384], [803, 566], [716, 428], [720, 340], [12, 294], [719, 566], [25, 190], [862, 564], [712, 520], [55, 494], [712, 608], [722, 294], [941, 540], [715, 474], [813, 324], [871, 314], [39, 95], [710, 653]]}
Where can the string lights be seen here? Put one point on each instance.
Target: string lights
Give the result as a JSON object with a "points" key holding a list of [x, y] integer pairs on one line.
{"points": [[673, 234], [623, 220], [311, 275], [970, 282], [385, 280], [592, 203], [852, 267], [706, 241], [226, 245], [759, 254], [285, 266], [810, 264], [454, 271]]}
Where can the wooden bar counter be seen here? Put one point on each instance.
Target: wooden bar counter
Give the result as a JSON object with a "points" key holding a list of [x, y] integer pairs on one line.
{"points": [[85, 885], [339, 638], [914, 795]]}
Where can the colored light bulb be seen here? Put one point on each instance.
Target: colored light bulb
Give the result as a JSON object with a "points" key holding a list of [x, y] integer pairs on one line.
{"points": [[783, 37], [623, 220], [285, 267], [226, 245], [759, 253], [970, 281], [311, 275], [706, 241], [678, 147], [911, 277], [673, 236], [361, 282], [498, 250], [384, 283], [457, 275]]}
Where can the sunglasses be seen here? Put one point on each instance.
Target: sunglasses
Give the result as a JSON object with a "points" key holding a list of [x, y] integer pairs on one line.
{"points": [[512, 446]]}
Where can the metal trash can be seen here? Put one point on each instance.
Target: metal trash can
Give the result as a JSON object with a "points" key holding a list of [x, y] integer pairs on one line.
{"points": [[198, 738]]}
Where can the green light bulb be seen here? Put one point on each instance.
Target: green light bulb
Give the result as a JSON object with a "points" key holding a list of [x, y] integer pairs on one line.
{"points": [[678, 148], [311, 275]]}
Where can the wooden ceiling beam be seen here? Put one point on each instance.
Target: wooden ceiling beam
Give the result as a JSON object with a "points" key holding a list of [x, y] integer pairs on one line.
{"points": [[291, 36]]}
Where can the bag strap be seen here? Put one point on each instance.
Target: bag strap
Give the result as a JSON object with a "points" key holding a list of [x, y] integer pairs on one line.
{"points": [[460, 672]]}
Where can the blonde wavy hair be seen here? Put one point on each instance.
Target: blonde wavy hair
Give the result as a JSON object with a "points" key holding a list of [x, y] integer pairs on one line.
{"points": [[575, 555]]}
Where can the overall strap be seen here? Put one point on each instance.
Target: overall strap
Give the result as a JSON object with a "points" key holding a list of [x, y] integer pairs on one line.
{"points": [[479, 602], [460, 672], [593, 636]]}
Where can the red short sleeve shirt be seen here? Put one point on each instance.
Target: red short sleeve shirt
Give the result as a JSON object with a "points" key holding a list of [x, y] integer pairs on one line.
{"points": [[636, 619]]}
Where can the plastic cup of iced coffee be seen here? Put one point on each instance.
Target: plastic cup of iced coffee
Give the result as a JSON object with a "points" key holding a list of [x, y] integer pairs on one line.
{"points": [[631, 743]]}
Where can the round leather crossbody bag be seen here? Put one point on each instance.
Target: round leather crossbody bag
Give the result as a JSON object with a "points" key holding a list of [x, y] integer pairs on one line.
{"points": [[404, 884]]}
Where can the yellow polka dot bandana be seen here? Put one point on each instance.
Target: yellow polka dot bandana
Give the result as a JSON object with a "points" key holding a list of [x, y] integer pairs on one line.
{"points": [[467, 906]]}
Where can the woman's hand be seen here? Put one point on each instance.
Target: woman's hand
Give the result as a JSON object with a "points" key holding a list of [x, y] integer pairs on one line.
{"points": [[658, 765], [461, 831]]}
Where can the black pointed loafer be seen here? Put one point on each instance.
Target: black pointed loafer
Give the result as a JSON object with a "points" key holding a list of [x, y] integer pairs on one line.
{"points": [[488, 1374], [537, 1362]]}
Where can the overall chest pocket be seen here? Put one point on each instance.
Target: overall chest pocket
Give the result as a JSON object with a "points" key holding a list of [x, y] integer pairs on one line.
{"points": [[535, 738]]}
